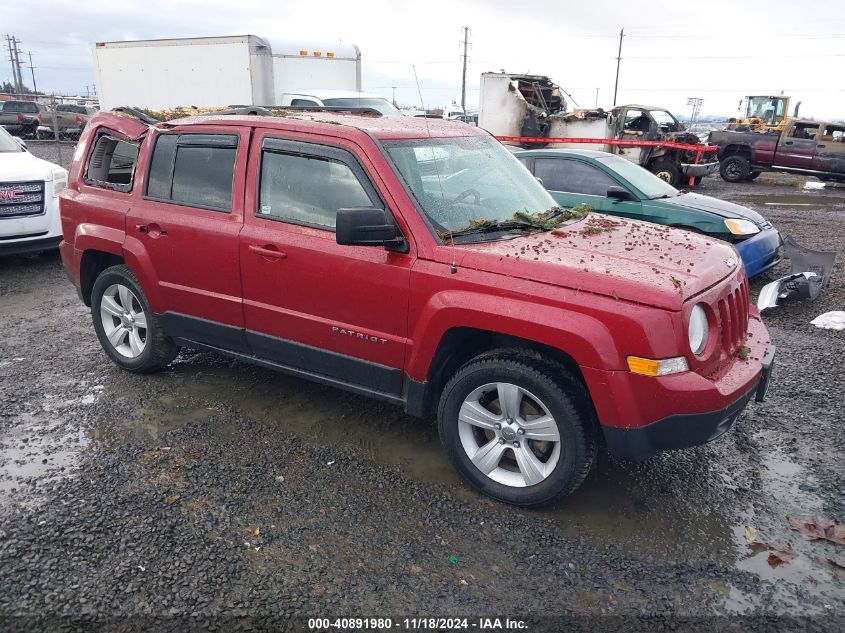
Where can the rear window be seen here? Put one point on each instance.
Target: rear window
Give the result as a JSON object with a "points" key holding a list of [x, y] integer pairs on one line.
{"points": [[20, 106], [68, 107], [111, 164], [194, 169]]}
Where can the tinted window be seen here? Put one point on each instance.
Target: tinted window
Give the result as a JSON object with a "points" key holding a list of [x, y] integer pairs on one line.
{"points": [[572, 176], [112, 163], [20, 106], [77, 109], [161, 167], [805, 130], [194, 169], [307, 189], [303, 103]]}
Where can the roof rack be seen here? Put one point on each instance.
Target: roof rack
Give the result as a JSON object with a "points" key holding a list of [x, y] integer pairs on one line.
{"points": [[271, 110], [234, 110]]}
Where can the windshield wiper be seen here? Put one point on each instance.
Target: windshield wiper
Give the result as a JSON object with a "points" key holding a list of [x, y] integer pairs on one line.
{"points": [[493, 227]]}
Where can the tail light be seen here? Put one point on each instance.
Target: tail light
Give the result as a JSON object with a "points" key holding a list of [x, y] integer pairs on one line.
{"points": [[38, 118], [78, 120], [20, 118]]}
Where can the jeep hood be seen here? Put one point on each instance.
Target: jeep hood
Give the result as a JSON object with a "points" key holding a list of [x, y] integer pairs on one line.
{"points": [[626, 259], [715, 206]]}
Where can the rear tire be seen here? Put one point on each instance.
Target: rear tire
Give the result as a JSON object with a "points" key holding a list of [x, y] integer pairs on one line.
{"points": [[734, 168], [667, 171], [545, 444], [128, 330]]}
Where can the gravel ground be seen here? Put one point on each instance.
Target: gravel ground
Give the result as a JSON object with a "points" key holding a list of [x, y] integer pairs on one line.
{"points": [[220, 494]]}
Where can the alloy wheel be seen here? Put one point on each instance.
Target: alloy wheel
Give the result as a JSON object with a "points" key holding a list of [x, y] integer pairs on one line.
{"points": [[124, 321], [509, 434]]}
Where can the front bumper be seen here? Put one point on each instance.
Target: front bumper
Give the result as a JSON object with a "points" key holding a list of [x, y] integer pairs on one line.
{"points": [[30, 245], [699, 170], [760, 253], [685, 430]]}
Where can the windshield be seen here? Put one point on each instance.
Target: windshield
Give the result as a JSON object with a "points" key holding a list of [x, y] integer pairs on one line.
{"points": [[665, 121], [765, 107], [649, 184], [7, 143], [382, 105], [461, 182]]}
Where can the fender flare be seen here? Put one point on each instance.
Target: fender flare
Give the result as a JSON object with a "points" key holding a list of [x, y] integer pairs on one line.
{"points": [[585, 339]]}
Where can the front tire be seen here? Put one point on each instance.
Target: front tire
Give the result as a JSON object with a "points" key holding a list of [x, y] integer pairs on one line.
{"points": [[735, 168], [128, 330], [513, 428], [667, 171]]}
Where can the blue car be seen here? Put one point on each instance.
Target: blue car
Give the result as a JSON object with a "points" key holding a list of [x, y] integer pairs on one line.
{"points": [[613, 185]]}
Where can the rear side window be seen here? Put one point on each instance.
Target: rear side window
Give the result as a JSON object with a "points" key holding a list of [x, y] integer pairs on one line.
{"points": [[572, 176], [196, 170], [112, 163], [307, 189], [303, 103]]}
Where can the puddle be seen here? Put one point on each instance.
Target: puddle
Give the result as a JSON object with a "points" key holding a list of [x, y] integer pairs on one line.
{"points": [[41, 446], [36, 448], [316, 414]]}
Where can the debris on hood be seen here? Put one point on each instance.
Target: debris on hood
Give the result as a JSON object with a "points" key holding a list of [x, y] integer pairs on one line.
{"points": [[830, 320]]}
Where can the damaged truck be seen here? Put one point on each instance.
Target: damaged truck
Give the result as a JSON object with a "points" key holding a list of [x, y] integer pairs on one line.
{"points": [[531, 111]]}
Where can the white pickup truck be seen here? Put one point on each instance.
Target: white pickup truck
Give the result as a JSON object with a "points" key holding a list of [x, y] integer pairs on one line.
{"points": [[29, 199]]}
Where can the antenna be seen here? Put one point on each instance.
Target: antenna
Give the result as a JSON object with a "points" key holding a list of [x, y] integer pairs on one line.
{"points": [[434, 158]]}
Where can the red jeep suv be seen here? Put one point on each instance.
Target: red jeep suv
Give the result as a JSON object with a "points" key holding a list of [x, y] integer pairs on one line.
{"points": [[415, 261]]}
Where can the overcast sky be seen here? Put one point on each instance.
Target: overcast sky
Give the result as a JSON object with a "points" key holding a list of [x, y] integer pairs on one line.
{"points": [[672, 49]]}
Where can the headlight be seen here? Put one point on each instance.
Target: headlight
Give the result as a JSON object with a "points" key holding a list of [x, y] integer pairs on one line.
{"points": [[741, 227], [698, 330], [59, 181]]}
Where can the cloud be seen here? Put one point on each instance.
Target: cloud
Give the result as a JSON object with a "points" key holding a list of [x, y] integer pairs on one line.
{"points": [[672, 50]]}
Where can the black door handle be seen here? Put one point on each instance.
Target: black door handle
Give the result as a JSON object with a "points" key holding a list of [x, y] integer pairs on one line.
{"points": [[788, 143], [821, 145]]}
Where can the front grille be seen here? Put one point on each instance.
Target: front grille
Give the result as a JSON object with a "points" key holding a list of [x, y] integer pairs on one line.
{"points": [[733, 317], [20, 199]]}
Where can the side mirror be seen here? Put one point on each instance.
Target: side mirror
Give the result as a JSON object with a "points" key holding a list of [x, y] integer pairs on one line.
{"points": [[540, 180], [20, 141], [618, 194], [368, 226]]}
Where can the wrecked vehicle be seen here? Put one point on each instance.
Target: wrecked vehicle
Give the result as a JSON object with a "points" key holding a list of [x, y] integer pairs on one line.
{"points": [[810, 148], [418, 262], [615, 186], [531, 106]]}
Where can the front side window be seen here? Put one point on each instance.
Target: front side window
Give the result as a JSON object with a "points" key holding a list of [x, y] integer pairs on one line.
{"points": [[307, 189], [572, 176], [805, 130], [194, 169], [112, 163], [462, 181]]}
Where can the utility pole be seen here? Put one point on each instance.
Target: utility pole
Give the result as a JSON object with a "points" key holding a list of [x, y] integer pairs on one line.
{"points": [[618, 62], [32, 70], [597, 98], [464, 78], [19, 75], [394, 96], [17, 79]]}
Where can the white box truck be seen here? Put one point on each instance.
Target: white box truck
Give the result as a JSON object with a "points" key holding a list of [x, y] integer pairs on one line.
{"points": [[229, 70], [197, 71]]}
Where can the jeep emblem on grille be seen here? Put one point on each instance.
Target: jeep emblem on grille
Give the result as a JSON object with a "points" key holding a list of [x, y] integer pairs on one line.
{"points": [[10, 194], [731, 262]]}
